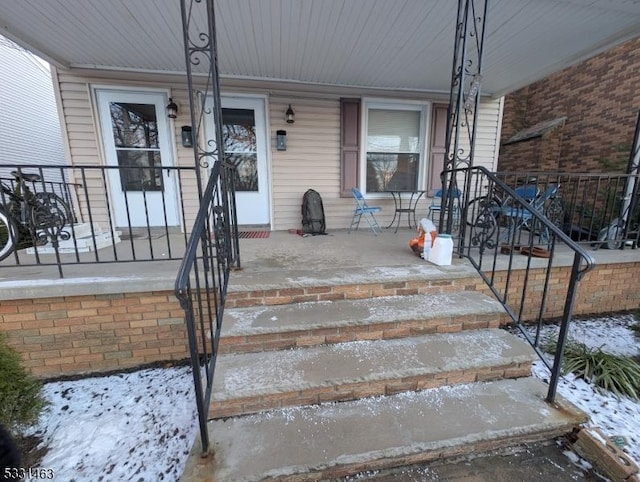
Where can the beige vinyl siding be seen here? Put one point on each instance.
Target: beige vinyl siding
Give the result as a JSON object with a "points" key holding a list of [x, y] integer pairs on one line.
{"points": [[488, 133], [311, 161], [83, 136]]}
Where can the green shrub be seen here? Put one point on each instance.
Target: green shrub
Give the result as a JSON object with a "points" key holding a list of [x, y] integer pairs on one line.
{"points": [[21, 399], [617, 374]]}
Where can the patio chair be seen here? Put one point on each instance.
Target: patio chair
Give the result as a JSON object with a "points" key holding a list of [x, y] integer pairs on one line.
{"points": [[363, 209], [518, 218], [436, 204]]}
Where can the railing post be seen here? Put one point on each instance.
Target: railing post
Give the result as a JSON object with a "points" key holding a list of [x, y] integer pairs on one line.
{"points": [[214, 238], [564, 327], [464, 99]]}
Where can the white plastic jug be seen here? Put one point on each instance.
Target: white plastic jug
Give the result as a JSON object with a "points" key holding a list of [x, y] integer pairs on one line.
{"points": [[442, 251], [426, 248]]}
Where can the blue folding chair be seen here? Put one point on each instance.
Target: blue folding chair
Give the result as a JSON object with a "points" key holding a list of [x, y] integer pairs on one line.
{"points": [[519, 218], [363, 209], [436, 204]]}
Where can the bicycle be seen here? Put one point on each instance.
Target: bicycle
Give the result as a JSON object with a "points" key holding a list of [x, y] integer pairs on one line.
{"points": [[28, 218], [620, 230], [486, 212], [492, 203]]}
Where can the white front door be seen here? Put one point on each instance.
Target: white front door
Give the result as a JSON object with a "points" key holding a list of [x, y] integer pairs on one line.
{"points": [[136, 135], [245, 144]]}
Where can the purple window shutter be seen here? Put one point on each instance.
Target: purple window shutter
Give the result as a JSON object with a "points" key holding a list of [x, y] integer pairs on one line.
{"points": [[349, 145], [438, 147]]}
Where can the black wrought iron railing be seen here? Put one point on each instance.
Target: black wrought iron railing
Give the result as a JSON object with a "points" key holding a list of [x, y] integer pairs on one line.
{"points": [[201, 284], [508, 233], [72, 215], [595, 210]]}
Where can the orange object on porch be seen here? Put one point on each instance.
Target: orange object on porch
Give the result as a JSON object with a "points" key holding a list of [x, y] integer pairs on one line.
{"points": [[417, 244]]}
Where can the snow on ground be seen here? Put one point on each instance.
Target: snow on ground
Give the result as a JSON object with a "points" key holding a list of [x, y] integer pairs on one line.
{"points": [[131, 426], [616, 416], [140, 426]]}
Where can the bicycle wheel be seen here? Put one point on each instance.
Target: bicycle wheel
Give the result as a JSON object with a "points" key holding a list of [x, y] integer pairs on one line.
{"points": [[8, 235], [50, 212], [480, 208], [555, 212], [611, 236]]}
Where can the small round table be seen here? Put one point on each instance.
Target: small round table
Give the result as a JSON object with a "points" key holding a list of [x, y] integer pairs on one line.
{"points": [[411, 199]]}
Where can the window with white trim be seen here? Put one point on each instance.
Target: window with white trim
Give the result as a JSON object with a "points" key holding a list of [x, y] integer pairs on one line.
{"points": [[394, 141]]}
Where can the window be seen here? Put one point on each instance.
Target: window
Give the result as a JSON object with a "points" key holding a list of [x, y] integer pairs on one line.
{"points": [[240, 147], [135, 133], [394, 146]]}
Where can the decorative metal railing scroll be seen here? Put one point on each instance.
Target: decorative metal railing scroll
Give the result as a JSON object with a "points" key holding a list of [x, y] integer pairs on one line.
{"points": [[464, 97], [213, 249]]}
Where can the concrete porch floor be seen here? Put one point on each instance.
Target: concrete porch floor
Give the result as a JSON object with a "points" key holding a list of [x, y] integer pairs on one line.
{"points": [[265, 261]]}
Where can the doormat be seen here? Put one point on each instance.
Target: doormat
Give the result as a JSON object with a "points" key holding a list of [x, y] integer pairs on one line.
{"points": [[136, 236], [253, 234]]}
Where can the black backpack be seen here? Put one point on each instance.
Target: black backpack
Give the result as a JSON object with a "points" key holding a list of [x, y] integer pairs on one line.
{"points": [[312, 213]]}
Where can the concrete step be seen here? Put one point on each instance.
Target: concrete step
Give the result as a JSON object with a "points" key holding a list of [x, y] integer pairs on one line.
{"points": [[281, 286], [335, 440], [252, 382], [263, 328]]}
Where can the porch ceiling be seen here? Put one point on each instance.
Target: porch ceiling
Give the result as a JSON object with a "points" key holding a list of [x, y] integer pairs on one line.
{"points": [[386, 44]]}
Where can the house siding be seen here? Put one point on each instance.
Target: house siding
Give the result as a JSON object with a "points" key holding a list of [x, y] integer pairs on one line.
{"points": [[599, 99], [311, 161]]}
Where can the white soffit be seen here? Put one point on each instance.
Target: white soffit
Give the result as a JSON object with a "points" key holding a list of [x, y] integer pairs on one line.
{"points": [[386, 44]]}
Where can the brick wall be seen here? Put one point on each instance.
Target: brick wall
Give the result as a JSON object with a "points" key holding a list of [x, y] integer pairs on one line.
{"points": [[606, 289], [79, 334], [97, 333], [600, 99]]}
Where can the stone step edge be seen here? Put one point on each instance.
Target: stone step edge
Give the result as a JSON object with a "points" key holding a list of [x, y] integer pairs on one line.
{"points": [[254, 296], [365, 389], [197, 464], [358, 332], [525, 396], [452, 451]]}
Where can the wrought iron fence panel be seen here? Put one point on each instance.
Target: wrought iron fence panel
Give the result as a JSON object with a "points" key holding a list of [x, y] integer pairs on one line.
{"points": [[505, 216], [91, 216], [595, 210], [201, 284]]}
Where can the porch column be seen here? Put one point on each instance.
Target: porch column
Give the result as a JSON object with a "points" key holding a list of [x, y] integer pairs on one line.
{"points": [[213, 246], [201, 59], [631, 190], [464, 97]]}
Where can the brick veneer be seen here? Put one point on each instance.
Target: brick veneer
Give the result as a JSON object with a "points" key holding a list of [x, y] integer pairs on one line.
{"points": [[364, 389], [598, 97], [608, 288], [80, 334], [75, 334]]}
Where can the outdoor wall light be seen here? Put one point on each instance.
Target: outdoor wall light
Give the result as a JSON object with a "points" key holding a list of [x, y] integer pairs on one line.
{"points": [[172, 109], [290, 116], [186, 134], [281, 140]]}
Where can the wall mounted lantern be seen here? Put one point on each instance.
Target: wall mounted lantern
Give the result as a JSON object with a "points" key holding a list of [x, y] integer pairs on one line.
{"points": [[172, 109], [186, 135], [290, 116], [281, 140]]}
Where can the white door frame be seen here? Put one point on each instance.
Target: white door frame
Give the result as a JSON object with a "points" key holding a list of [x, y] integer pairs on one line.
{"points": [[252, 207], [139, 216]]}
